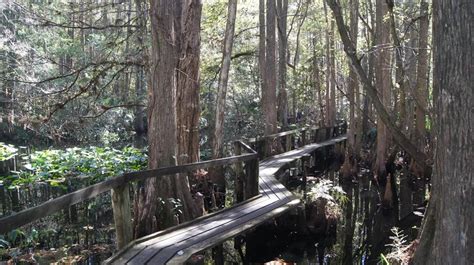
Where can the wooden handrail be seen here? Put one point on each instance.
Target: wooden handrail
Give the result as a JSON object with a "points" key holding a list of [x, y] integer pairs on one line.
{"points": [[285, 133], [120, 189], [29, 215]]}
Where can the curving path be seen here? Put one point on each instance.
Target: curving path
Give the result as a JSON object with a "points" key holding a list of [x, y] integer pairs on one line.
{"points": [[176, 245]]}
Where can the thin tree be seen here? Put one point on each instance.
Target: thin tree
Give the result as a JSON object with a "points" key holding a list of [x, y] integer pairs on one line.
{"points": [[223, 79], [282, 14], [382, 82], [353, 82], [269, 97]]}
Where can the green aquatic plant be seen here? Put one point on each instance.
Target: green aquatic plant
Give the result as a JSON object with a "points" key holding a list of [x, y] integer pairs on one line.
{"points": [[89, 164]]}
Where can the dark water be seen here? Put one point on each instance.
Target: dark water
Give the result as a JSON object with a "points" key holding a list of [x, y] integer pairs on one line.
{"points": [[357, 233]]}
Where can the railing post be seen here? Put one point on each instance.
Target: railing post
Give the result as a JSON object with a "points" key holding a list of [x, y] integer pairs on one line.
{"points": [[288, 142], [305, 163], [251, 181], [122, 215], [303, 137], [239, 185]]}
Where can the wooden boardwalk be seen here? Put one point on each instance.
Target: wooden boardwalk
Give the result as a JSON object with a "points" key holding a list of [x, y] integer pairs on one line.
{"points": [[176, 245]]}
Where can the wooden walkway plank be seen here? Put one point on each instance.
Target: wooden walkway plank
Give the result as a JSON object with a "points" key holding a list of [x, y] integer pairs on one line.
{"points": [[155, 246], [177, 245]]}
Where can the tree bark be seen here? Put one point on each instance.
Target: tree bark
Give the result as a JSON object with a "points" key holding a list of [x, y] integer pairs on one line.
{"points": [[261, 44], [223, 79], [282, 13], [139, 122], [330, 71], [187, 101], [382, 82], [169, 19], [422, 76], [447, 236], [353, 82], [269, 91]]}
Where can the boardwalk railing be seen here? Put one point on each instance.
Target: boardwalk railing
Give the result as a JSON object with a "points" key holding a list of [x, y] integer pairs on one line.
{"points": [[119, 187], [246, 162], [290, 140]]}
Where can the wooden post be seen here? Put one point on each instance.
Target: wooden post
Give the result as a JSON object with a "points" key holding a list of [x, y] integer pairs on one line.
{"points": [[122, 215], [251, 181], [218, 254], [303, 137], [288, 142], [305, 162], [239, 172]]}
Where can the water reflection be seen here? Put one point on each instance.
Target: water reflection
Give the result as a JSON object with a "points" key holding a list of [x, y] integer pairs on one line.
{"points": [[311, 235]]}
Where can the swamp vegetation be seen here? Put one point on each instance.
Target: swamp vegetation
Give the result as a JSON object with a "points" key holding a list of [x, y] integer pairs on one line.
{"points": [[92, 91]]}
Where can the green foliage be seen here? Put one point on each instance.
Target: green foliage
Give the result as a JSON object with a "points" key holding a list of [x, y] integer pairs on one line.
{"points": [[7, 151], [398, 247], [327, 190], [91, 164]]}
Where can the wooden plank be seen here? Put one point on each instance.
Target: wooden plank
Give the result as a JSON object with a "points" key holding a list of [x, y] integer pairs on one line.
{"points": [[175, 249], [207, 223], [137, 245], [242, 220], [209, 242], [152, 247]]}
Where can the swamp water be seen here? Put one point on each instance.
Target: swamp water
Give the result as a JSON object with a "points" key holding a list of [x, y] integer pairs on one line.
{"points": [[354, 229]]}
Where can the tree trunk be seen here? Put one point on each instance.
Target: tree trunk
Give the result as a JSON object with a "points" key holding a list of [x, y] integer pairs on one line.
{"points": [[282, 11], [422, 76], [353, 82], [223, 78], [382, 82], [447, 236], [261, 44], [167, 16], [139, 122], [187, 100], [330, 74], [269, 91]]}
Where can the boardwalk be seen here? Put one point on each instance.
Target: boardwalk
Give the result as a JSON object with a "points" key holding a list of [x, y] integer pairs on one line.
{"points": [[176, 245]]}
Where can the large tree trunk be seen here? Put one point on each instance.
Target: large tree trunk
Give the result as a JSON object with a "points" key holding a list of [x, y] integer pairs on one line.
{"points": [[187, 101], [223, 78], [382, 82], [282, 60], [447, 235], [167, 69]]}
